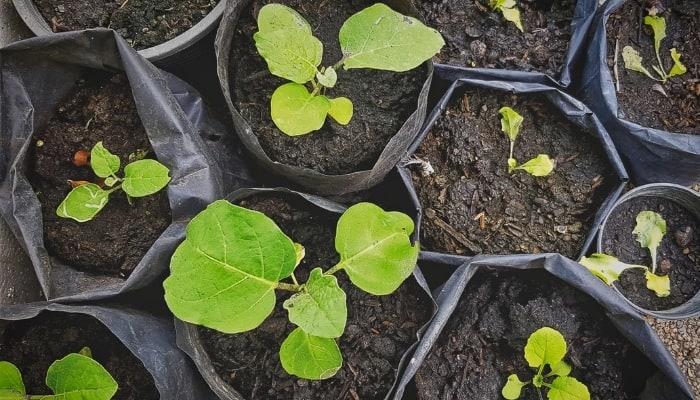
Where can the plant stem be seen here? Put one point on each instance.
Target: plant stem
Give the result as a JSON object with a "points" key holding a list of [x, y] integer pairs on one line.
{"points": [[288, 287], [339, 64], [334, 269], [124, 3]]}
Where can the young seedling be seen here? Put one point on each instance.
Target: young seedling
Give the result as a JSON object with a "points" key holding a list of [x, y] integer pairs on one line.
{"points": [[76, 376], [225, 273], [546, 348], [650, 229], [511, 121], [142, 177], [509, 10], [376, 37]]}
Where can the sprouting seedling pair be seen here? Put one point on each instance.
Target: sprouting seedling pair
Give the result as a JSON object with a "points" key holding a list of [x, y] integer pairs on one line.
{"points": [[142, 177], [511, 122], [225, 273], [545, 350], [76, 376], [509, 10], [376, 37], [650, 229]]}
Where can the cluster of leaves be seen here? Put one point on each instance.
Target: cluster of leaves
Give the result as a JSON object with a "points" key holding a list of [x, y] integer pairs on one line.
{"points": [[509, 10], [142, 177], [376, 37], [76, 376], [511, 122], [650, 229], [224, 276], [546, 347]]}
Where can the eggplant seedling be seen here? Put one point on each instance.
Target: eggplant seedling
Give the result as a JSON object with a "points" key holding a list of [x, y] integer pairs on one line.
{"points": [[511, 121], [650, 229], [546, 348], [224, 275], [142, 177], [633, 60], [376, 37], [509, 10]]}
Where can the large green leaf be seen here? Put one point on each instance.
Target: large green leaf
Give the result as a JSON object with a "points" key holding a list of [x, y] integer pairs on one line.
{"points": [[380, 38], [541, 165], [633, 61], [275, 16], [606, 267], [103, 162], [144, 177], [224, 274], [375, 248], [292, 55], [77, 377], [568, 388], [11, 385], [650, 230], [295, 111], [545, 346], [511, 122], [319, 309], [310, 357], [83, 202]]}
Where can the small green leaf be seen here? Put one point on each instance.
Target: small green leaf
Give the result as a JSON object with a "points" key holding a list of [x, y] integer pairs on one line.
{"points": [[633, 61], [296, 112], [606, 267], [11, 384], [678, 67], [512, 163], [510, 122], [650, 229], [110, 181], [83, 202], [512, 388], [103, 162], [375, 247], [144, 177], [562, 368], [660, 285], [77, 377], [541, 165], [301, 253], [273, 17], [319, 309], [658, 26], [380, 38], [327, 78], [568, 388], [512, 14], [545, 346], [341, 110], [310, 357]]}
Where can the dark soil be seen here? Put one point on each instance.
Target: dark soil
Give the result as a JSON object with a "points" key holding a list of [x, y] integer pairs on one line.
{"points": [[33, 344], [379, 328], [143, 23], [100, 109], [637, 99], [473, 205], [678, 254], [483, 341], [382, 100], [476, 36]]}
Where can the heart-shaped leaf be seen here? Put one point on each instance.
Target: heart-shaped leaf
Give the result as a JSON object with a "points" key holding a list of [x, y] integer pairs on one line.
{"points": [[83, 202], [541, 165], [296, 112], [341, 110], [568, 388], [11, 384], [77, 377], [102, 162], [310, 357], [545, 346], [319, 309], [144, 177]]}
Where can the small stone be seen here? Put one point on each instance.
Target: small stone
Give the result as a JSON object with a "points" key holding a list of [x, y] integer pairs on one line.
{"points": [[61, 8], [683, 236], [665, 265]]}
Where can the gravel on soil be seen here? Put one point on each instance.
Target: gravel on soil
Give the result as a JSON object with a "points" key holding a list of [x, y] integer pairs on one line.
{"points": [[682, 337]]}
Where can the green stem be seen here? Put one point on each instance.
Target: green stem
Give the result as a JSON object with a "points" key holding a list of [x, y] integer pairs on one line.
{"points": [[334, 269], [339, 64], [288, 287]]}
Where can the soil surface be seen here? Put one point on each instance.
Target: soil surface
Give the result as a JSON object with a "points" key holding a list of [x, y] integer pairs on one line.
{"points": [[477, 36], [678, 254], [33, 344], [483, 341], [638, 99], [143, 23], [382, 100], [100, 109], [379, 328], [473, 205]]}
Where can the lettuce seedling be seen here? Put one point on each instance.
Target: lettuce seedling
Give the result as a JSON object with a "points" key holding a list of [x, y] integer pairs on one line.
{"points": [[633, 60], [511, 121], [142, 177], [224, 275], [650, 229], [76, 376], [376, 37], [546, 347], [509, 10]]}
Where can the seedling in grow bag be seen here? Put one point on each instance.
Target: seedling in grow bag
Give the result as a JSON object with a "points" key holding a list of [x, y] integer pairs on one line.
{"points": [[547, 347], [509, 10], [650, 229], [633, 60], [75, 376], [224, 276], [376, 37], [511, 121], [142, 177]]}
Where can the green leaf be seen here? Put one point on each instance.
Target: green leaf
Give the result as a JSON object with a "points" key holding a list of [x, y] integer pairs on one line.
{"points": [[512, 163], [144, 177], [76, 377], [658, 26], [292, 55], [510, 122], [380, 38], [633, 61], [341, 110], [319, 309], [310, 357], [562, 368], [223, 275], [103, 162], [512, 14], [83, 202], [660, 285], [545, 346], [650, 229], [296, 112], [678, 67], [327, 78], [110, 181], [606, 267], [273, 17], [300, 252], [11, 385], [568, 388], [375, 248], [511, 390], [541, 165]]}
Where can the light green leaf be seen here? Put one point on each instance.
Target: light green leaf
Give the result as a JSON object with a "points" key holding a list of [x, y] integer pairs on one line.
{"points": [[541, 165], [606, 267], [290, 54], [511, 122], [562, 368], [300, 252], [658, 26], [110, 181], [650, 229], [76, 377], [319, 309], [512, 14], [310, 357], [660, 285], [103, 162], [380, 38], [223, 275], [633, 61], [83, 202], [341, 110], [545, 346], [273, 17], [512, 163], [511, 390], [678, 67], [296, 112], [11, 384], [568, 388], [144, 177], [375, 248], [327, 78]]}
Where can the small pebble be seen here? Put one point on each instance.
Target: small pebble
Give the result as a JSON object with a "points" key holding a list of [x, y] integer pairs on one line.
{"points": [[683, 236]]}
